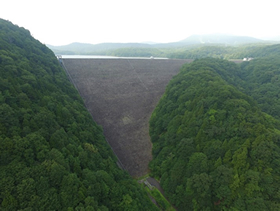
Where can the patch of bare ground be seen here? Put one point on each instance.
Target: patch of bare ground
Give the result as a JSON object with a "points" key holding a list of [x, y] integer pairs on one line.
{"points": [[121, 95]]}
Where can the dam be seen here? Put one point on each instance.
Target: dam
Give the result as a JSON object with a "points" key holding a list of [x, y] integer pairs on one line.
{"points": [[121, 94]]}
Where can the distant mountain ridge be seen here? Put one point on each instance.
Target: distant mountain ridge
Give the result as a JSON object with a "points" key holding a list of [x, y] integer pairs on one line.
{"points": [[220, 39], [85, 48]]}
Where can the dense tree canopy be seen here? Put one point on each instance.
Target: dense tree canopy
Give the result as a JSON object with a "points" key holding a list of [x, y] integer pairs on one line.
{"points": [[215, 133], [201, 51], [227, 52], [214, 147], [53, 156], [262, 82]]}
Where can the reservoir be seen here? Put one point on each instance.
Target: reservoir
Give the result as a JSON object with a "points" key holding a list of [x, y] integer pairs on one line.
{"points": [[102, 57]]}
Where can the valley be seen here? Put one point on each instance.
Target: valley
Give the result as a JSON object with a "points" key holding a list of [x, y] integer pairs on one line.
{"points": [[121, 95]]}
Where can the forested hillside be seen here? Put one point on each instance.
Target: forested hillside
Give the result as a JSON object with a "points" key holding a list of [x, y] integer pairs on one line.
{"points": [[262, 81], [53, 156], [215, 135], [227, 52]]}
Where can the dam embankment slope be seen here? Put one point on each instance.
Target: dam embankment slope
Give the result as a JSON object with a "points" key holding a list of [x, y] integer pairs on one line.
{"points": [[121, 95]]}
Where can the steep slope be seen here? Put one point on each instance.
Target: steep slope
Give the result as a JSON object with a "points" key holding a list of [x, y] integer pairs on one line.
{"points": [[53, 156], [262, 77], [213, 147], [121, 95]]}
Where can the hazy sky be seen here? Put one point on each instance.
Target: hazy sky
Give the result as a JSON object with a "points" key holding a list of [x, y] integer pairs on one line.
{"points": [[60, 22]]}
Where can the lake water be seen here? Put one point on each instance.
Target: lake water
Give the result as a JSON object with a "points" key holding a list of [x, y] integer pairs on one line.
{"points": [[102, 57]]}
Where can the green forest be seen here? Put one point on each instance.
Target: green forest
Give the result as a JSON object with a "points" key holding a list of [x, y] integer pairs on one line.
{"points": [[215, 133], [220, 51], [179, 50], [216, 136], [53, 156], [257, 50]]}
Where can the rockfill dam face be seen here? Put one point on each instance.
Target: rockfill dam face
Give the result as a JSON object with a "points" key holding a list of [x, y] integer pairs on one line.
{"points": [[121, 95]]}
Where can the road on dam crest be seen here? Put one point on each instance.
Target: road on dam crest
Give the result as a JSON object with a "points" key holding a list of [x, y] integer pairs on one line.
{"points": [[121, 95]]}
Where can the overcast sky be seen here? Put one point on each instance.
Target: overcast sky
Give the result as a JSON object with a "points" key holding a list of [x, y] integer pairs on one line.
{"points": [[60, 22]]}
